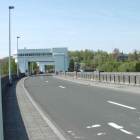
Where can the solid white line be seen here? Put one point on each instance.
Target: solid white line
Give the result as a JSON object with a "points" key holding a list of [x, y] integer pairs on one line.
{"points": [[127, 132], [62, 87], [51, 125], [114, 125], [118, 104]]}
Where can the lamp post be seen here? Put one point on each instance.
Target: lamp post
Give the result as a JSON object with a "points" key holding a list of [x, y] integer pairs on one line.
{"points": [[10, 77], [17, 58]]}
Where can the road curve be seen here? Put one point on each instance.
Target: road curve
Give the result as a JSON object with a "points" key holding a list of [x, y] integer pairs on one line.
{"points": [[85, 112]]}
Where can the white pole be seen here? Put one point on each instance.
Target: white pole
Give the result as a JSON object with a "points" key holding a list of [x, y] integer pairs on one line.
{"points": [[10, 77], [17, 58]]}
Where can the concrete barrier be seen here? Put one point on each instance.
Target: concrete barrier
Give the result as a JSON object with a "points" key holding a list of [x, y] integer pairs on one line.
{"points": [[1, 116], [127, 78], [4, 85]]}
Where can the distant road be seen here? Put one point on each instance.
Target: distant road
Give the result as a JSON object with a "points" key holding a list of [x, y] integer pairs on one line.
{"points": [[85, 112]]}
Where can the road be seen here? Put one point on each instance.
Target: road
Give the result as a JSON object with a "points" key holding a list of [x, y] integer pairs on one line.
{"points": [[86, 112]]}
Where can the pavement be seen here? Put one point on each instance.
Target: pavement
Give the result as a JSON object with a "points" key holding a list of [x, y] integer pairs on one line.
{"points": [[85, 112], [22, 120]]}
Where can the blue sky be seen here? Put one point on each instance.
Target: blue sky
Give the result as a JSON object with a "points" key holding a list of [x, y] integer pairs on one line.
{"points": [[76, 24]]}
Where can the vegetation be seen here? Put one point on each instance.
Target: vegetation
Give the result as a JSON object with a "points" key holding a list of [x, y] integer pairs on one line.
{"points": [[4, 66], [103, 61]]}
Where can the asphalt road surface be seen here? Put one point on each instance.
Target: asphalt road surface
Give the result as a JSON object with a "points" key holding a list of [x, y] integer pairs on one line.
{"points": [[85, 112]]}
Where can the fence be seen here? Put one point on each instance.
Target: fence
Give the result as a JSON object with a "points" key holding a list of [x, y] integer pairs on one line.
{"points": [[129, 78]]}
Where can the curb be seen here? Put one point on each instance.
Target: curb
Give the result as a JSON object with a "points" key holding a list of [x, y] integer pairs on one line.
{"points": [[46, 119]]}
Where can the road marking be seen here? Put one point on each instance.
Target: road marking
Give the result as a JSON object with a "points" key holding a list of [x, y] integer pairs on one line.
{"points": [[88, 127], [114, 125], [46, 81], [62, 87], [69, 131], [93, 126], [96, 125], [118, 104], [100, 134], [127, 132], [138, 137]]}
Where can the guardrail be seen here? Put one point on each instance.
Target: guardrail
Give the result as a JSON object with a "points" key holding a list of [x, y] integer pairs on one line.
{"points": [[129, 78]]}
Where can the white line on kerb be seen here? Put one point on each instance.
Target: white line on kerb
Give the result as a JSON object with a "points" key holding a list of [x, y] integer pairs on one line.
{"points": [[118, 104], [62, 87]]}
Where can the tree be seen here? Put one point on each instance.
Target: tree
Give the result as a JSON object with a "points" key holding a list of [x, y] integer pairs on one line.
{"points": [[71, 65]]}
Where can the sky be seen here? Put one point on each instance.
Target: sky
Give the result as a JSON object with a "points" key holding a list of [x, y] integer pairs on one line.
{"points": [[76, 24]]}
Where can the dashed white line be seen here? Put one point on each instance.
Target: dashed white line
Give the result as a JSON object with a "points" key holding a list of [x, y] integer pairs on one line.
{"points": [[138, 137], [127, 132], [96, 125], [88, 127], [69, 131], [114, 125], [118, 104], [46, 81], [62, 87], [100, 134]]}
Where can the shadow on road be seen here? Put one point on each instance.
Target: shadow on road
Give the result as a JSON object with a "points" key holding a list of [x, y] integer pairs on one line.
{"points": [[14, 128]]}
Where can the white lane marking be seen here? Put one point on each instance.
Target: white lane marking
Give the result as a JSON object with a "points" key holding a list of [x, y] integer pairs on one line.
{"points": [[46, 81], [118, 104], [88, 127], [69, 131], [46, 119], [62, 87], [138, 137], [114, 125], [100, 134], [127, 132], [93, 126], [96, 125]]}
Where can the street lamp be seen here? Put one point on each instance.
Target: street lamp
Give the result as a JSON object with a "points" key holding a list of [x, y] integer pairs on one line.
{"points": [[10, 77], [17, 58]]}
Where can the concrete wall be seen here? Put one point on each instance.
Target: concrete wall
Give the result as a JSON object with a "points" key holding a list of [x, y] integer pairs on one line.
{"points": [[1, 118]]}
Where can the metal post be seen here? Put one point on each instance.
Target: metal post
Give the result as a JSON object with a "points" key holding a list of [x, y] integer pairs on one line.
{"points": [[17, 58], [24, 61], [10, 77]]}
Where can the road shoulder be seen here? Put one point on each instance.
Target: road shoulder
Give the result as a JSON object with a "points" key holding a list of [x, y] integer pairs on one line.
{"points": [[37, 125]]}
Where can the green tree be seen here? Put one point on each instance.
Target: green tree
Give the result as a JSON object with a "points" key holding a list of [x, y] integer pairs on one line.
{"points": [[71, 65]]}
